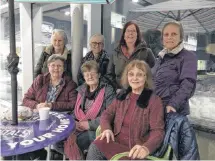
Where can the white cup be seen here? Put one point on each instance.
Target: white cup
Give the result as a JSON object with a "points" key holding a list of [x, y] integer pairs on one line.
{"points": [[44, 125], [44, 113]]}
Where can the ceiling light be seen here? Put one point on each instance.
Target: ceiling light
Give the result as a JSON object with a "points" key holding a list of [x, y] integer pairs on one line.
{"points": [[67, 13], [135, 1]]}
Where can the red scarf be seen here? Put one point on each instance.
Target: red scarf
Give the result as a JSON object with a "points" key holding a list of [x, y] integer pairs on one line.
{"points": [[93, 110]]}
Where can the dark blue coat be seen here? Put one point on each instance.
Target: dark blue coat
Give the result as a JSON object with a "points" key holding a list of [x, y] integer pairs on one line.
{"points": [[181, 137], [175, 79]]}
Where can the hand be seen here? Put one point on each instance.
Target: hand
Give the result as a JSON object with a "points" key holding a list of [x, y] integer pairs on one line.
{"points": [[78, 128], [106, 134], [170, 109], [138, 152], [45, 104], [84, 125]]}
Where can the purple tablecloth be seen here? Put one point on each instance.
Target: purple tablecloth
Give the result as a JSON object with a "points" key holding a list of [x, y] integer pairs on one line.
{"points": [[34, 134]]}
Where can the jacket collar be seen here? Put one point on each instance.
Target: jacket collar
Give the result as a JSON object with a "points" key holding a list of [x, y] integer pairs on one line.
{"points": [[143, 99], [172, 52], [49, 50], [140, 46]]}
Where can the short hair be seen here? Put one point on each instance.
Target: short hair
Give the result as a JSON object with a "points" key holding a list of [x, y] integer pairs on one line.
{"points": [[62, 33], [142, 65], [89, 65], [97, 35], [179, 25], [55, 57], [139, 36]]}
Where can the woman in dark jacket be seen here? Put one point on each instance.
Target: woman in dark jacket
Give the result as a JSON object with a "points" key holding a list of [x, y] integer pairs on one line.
{"points": [[93, 98], [98, 54], [130, 47], [134, 122], [58, 46], [175, 71]]}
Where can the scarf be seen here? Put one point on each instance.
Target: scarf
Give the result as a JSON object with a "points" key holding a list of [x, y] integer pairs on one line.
{"points": [[174, 51], [94, 109]]}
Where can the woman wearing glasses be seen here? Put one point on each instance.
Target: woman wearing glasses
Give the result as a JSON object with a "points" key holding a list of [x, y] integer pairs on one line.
{"points": [[93, 98], [53, 89], [130, 47], [175, 71], [98, 54]]}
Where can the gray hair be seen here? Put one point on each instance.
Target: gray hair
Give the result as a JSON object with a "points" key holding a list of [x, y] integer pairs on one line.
{"points": [[90, 65], [62, 33], [55, 57], [179, 25], [97, 35]]}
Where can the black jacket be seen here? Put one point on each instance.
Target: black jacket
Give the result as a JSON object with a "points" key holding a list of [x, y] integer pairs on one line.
{"points": [[42, 66], [118, 61], [181, 137], [102, 61]]}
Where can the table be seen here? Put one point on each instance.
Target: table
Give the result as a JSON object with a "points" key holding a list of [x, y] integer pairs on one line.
{"points": [[34, 134]]}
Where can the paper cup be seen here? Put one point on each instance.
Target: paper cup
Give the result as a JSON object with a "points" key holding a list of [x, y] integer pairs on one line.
{"points": [[44, 113], [44, 125]]}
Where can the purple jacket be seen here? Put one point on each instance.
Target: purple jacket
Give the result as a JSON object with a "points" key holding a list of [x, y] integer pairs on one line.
{"points": [[175, 79], [65, 99]]}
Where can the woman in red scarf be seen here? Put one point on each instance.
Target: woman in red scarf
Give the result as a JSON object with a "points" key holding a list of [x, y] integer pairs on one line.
{"points": [[93, 97]]}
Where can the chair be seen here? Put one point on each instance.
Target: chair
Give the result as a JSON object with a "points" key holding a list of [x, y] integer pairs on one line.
{"points": [[167, 155]]}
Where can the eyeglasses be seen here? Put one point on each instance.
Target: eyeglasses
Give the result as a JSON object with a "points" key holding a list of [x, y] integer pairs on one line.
{"points": [[138, 75], [172, 34], [88, 74], [130, 31], [97, 43], [55, 66]]}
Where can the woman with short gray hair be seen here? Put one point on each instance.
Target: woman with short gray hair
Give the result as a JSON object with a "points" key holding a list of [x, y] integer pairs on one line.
{"points": [[58, 46], [175, 71], [96, 53]]}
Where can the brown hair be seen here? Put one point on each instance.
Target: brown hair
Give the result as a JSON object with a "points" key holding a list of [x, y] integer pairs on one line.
{"points": [[142, 65], [139, 36], [179, 25], [89, 65]]}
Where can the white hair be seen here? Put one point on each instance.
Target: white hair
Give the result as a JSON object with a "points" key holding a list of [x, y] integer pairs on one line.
{"points": [[62, 33], [97, 35]]}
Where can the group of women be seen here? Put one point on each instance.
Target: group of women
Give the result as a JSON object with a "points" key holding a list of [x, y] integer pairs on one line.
{"points": [[127, 94]]}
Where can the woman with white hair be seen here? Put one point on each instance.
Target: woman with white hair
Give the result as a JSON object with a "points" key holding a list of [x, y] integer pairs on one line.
{"points": [[58, 46], [96, 53]]}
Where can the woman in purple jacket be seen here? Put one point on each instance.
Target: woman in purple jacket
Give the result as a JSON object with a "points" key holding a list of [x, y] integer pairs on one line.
{"points": [[175, 71]]}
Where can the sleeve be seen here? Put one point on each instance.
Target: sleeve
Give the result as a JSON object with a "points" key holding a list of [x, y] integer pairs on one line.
{"points": [[108, 116], [93, 124], [38, 68], [156, 126], [29, 99], [80, 77], [111, 71], [187, 80], [150, 58], [68, 105]]}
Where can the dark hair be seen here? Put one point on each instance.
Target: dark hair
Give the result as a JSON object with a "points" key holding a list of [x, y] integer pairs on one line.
{"points": [[139, 36]]}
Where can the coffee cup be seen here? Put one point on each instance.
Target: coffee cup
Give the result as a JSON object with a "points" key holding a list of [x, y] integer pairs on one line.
{"points": [[44, 113]]}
